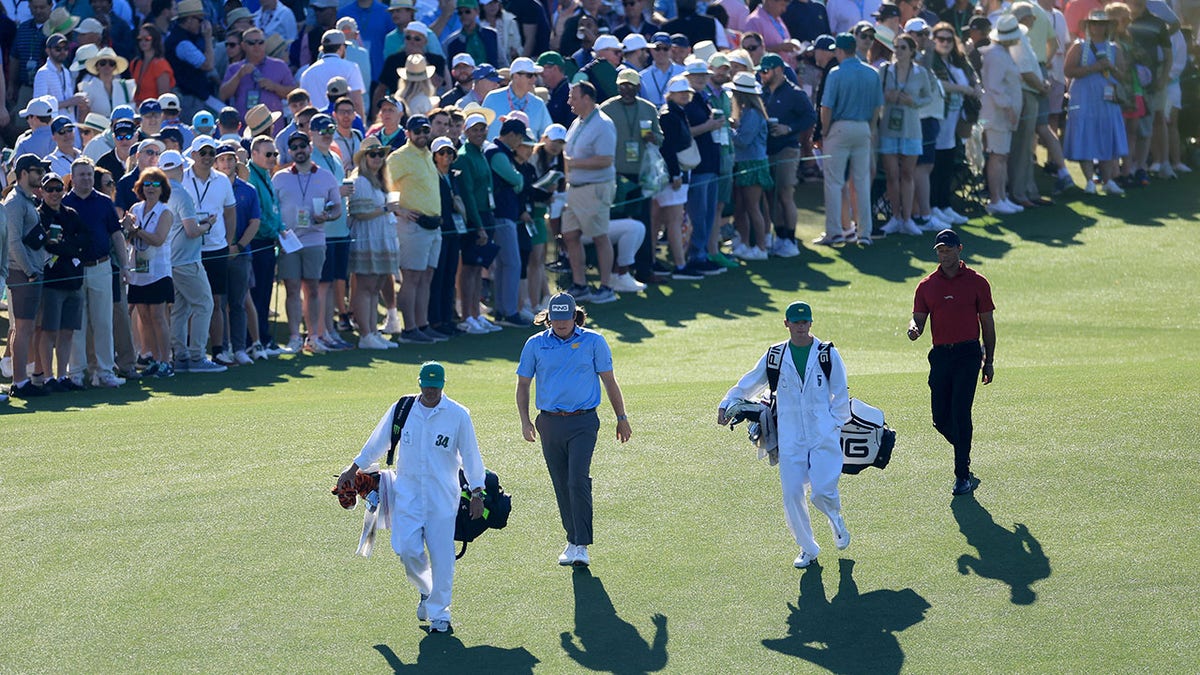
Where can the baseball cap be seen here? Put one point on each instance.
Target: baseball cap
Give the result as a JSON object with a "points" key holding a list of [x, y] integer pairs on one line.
{"points": [[332, 37], [323, 4], [770, 61], [51, 177], [122, 112], [861, 27], [606, 42], [432, 375], [798, 311], [551, 59], [320, 123], [887, 10], [124, 127], [695, 66], [338, 86], [472, 120], [946, 237], [1020, 10], [678, 84], [298, 136], [718, 60], [846, 42], [561, 307], [203, 120], [56, 39], [680, 40], [229, 117], [149, 107], [513, 126], [227, 147], [201, 142], [148, 143], [629, 76], [979, 23], [42, 106], [29, 161], [486, 71], [524, 64], [556, 132], [416, 122], [441, 143], [460, 59], [89, 26], [170, 159], [347, 23], [171, 133], [634, 42], [918, 25], [169, 101], [825, 42], [61, 123]]}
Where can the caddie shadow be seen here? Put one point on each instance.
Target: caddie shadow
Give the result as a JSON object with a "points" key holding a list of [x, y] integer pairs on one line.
{"points": [[441, 654], [1014, 557], [851, 633], [606, 642]]}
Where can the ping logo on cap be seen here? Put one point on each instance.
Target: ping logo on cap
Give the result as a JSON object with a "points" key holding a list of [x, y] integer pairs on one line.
{"points": [[560, 308]]}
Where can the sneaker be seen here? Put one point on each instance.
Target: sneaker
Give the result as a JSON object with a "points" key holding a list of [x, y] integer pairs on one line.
{"points": [[164, 371], [152, 369], [414, 336], [27, 390], [1141, 178], [242, 358], [422, 610], [313, 345], [1168, 173], [687, 273], [434, 334], [440, 626], [1063, 183], [1089, 188], [384, 342], [178, 365], [205, 366], [963, 486], [784, 248], [581, 556], [256, 352], [69, 384], [343, 322], [603, 295], [827, 240], [739, 250], [580, 293], [1182, 168], [911, 228], [998, 209], [487, 324], [567, 557], [107, 379], [143, 360], [368, 342], [224, 358], [723, 260], [1016, 208], [803, 560], [294, 346], [922, 222], [954, 217], [625, 283], [755, 253], [1111, 188], [863, 241], [473, 326], [709, 268], [272, 349], [893, 226], [131, 374], [841, 535]]}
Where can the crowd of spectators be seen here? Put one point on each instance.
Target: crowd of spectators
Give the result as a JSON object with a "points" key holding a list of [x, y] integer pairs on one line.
{"points": [[174, 171]]}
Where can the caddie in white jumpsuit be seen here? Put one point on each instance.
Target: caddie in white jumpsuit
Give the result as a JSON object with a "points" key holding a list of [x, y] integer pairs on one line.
{"points": [[438, 438], [810, 411]]}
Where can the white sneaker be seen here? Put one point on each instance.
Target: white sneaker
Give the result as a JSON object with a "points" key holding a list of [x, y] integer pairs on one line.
{"points": [[625, 283], [841, 535], [242, 358], [1016, 208], [567, 557], [224, 358], [293, 346], [368, 341], [757, 253], [910, 227], [491, 327], [107, 379], [738, 251], [581, 557], [784, 248], [1153, 168], [472, 326], [1112, 188], [385, 342], [1182, 168], [893, 226], [955, 217], [314, 346], [392, 325], [422, 610], [803, 560], [998, 209]]}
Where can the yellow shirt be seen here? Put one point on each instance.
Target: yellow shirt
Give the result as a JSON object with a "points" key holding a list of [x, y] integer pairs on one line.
{"points": [[411, 172]]}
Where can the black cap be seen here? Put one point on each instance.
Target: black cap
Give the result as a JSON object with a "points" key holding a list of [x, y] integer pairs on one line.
{"points": [[29, 161], [513, 126], [979, 23], [416, 122], [171, 133], [887, 10], [229, 117], [299, 136], [124, 127], [680, 40], [946, 237]]}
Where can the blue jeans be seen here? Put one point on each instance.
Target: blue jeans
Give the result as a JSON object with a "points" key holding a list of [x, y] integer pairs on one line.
{"points": [[701, 210], [506, 270]]}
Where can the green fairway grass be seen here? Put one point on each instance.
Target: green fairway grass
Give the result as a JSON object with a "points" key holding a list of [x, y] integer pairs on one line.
{"points": [[187, 526]]}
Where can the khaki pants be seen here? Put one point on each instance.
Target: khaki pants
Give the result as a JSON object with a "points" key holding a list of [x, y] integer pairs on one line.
{"points": [[1021, 160], [847, 143], [92, 349], [191, 313]]}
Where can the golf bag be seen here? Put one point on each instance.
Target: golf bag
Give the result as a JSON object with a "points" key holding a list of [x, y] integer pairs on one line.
{"points": [[497, 505], [866, 439]]}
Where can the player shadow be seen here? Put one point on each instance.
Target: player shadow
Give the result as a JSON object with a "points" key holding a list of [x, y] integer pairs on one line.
{"points": [[439, 653], [606, 642], [851, 633], [1013, 557]]}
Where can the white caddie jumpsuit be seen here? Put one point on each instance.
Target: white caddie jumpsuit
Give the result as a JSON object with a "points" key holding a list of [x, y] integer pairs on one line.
{"points": [[434, 444], [810, 415]]}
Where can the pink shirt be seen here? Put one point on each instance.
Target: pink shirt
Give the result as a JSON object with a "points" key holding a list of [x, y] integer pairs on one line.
{"points": [[772, 29]]}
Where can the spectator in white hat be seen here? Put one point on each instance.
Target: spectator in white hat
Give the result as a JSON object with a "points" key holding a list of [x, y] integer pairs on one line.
{"points": [[107, 89], [519, 96], [637, 54], [602, 70], [462, 71], [38, 139]]}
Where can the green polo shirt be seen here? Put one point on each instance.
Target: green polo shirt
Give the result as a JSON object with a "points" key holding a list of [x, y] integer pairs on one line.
{"points": [[474, 183]]}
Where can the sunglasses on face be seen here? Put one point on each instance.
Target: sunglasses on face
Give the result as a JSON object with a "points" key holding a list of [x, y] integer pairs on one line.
{"points": [[944, 38], [52, 189], [270, 154], [375, 154], [106, 64], [206, 152], [149, 152], [661, 48], [254, 43], [297, 146], [231, 45], [629, 4], [465, 10], [152, 183], [124, 137], [446, 152], [752, 48], [414, 38], [68, 130]]}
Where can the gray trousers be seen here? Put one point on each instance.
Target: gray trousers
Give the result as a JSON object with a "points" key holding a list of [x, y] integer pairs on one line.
{"points": [[191, 312], [567, 444], [1021, 159], [506, 270]]}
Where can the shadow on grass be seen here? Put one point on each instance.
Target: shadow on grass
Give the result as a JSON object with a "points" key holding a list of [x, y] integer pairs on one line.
{"points": [[851, 633], [1015, 557], [440, 653], [607, 642]]}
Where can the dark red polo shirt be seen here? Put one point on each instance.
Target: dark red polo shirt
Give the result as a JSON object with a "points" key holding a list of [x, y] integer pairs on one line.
{"points": [[954, 304]]}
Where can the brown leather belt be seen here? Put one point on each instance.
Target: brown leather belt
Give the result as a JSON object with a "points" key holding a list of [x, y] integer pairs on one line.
{"points": [[95, 262], [570, 413]]}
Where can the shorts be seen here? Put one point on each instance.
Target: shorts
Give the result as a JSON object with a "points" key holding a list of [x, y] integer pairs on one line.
{"points": [[216, 266], [891, 145], [1057, 91], [1043, 112], [61, 309], [998, 141], [156, 293], [784, 167], [669, 196], [24, 297], [1174, 97], [1156, 102], [587, 208], [419, 248], [540, 235], [929, 133], [337, 260], [303, 264]]}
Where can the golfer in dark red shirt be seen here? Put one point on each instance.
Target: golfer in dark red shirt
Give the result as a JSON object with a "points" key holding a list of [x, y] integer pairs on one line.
{"points": [[959, 301]]}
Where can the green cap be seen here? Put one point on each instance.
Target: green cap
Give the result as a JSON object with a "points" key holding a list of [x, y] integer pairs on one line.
{"points": [[432, 375], [770, 61], [797, 311], [551, 59], [471, 4]]}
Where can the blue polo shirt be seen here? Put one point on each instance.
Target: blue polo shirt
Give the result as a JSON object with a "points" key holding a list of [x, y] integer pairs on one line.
{"points": [[247, 208], [99, 217], [852, 91], [566, 370]]}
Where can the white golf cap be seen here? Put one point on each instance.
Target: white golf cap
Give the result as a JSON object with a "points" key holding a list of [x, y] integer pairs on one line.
{"points": [[524, 64], [416, 27], [201, 142], [472, 120], [556, 132], [677, 84], [606, 42], [170, 159], [634, 42], [347, 23], [916, 25], [440, 143], [460, 59]]}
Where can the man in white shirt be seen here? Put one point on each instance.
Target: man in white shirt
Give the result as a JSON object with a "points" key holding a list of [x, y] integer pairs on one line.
{"points": [[65, 151], [438, 439], [56, 79], [276, 20], [216, 209], [333, 64]]}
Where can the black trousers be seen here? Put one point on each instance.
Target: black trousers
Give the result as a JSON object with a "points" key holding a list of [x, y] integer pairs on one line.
{"points": [[441, 287], [635, 206], [953, 376], [940, 180]]}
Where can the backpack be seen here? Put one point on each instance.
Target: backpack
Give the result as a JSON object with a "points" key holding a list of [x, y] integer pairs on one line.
{"points": [[866, 439], [497, 504]]}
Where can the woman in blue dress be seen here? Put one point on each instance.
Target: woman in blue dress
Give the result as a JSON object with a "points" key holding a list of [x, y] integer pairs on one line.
{"points": [[1095, 128]]}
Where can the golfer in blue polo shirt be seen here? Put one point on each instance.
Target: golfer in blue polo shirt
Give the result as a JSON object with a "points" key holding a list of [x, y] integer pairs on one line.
{"points": [[569, 362]]}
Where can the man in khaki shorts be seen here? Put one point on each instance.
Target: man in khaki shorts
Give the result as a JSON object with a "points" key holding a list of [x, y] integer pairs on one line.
{"points": [[591, 187]]}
